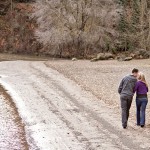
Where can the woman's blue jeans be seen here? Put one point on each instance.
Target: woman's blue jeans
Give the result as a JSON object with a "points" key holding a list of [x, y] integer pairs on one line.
{"points": [[141, 104]]}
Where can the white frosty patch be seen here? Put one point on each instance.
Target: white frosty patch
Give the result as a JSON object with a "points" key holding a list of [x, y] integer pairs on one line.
{"points": [[3, 76]]}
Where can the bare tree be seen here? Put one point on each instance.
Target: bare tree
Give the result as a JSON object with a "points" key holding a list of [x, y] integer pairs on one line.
{"points": [[77, 26]]}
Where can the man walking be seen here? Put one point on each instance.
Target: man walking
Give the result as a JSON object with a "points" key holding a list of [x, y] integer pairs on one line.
{"points": [[126, 91]]}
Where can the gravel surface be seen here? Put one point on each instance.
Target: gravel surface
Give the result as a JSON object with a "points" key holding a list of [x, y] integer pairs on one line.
{"points": [[12, 134], [76, 107], [102, 78]]}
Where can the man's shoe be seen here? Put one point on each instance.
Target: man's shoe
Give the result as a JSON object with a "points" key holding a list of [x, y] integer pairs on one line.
{"points": [[125, 127], [142, 126]]}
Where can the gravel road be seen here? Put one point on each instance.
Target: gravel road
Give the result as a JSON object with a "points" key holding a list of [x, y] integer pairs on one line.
{"points": [[72, 105]]}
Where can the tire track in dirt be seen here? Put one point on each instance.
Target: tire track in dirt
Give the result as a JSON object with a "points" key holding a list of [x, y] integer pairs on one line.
{"points": [[91, 114], [78, 135], [54, 106]]}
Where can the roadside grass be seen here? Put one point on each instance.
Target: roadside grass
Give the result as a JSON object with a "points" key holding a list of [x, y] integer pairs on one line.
{"points": [[14, 57]]}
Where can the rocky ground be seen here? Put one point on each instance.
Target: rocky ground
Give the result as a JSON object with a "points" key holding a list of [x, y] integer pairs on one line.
{"points": [[102, 78], [72, 105]]}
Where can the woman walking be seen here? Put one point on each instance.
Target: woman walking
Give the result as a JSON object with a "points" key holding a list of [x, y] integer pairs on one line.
{"points": [[141, 90]]}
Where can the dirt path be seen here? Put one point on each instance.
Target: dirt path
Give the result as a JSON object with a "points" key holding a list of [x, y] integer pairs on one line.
{"points": [[12, 133], [102, 79], [60, 115]]}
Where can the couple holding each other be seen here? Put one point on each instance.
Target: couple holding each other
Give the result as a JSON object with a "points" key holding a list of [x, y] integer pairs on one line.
{"points": [[134, 83]]}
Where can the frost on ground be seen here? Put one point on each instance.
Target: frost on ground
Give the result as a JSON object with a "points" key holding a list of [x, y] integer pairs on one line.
{"points": [[59, 114], [12, 135]]}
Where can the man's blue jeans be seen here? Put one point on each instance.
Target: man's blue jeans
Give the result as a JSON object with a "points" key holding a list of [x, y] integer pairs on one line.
{"points": [[141, 104]]}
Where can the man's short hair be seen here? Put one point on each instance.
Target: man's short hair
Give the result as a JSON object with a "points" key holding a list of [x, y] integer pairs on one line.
{"points": [[135, 70]]}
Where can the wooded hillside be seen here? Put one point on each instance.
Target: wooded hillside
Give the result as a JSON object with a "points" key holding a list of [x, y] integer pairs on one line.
{"points": [[17, 28], [68, 28]]}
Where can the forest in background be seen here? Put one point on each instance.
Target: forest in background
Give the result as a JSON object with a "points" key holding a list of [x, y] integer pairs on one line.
{"points": [[74, 28]]}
